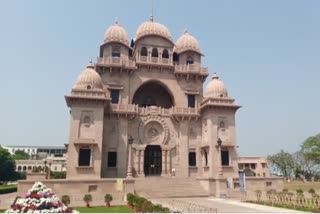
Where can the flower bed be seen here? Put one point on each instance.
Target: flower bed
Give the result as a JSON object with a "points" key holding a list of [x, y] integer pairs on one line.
{"points": [[39, 199]]}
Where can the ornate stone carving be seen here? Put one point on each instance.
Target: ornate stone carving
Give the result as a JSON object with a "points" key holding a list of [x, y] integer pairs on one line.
{"points": [[153, 130]]}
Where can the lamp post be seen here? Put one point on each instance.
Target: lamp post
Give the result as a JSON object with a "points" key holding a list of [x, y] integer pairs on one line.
{"points": [[49, 169], [218, 193], [129, 170]]}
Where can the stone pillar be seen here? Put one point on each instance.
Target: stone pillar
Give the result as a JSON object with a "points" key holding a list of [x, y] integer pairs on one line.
{"points": [[136, 161], [163, 161], [129, 171], [141, 162], [168, 162]]}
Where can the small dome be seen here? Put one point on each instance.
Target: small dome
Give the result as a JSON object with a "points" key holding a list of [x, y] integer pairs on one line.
{"points": [[216, 88], [153, 28], [116, 33], [187, 43], [89, 79]]}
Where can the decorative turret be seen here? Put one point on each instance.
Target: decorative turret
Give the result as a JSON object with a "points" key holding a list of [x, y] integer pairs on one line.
{"points": [[216, 88], [187, 43]]}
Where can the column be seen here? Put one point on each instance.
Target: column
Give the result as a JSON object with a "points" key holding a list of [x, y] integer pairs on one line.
{"points": [[136, 161], [163, 161], [142, 162], [129, 171], [168, 162]]}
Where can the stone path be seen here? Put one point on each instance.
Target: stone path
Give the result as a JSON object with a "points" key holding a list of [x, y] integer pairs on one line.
{"points": [[213, 205], [6, 200]]}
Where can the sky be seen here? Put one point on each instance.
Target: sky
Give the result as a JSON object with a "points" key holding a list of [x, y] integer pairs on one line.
{"points": [[266, 52]]}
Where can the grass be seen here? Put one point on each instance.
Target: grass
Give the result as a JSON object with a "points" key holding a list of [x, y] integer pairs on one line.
{"points": [[305, 186], [2, 211], [103, 209]]}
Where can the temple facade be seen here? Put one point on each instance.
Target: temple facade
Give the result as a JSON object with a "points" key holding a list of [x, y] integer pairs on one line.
{"points": [[142, 110]]}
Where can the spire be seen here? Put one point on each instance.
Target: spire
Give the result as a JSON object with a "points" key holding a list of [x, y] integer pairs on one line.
{"points": [[185, 31], [116, 21], [151, 17], [215, 76], [90, 64]]}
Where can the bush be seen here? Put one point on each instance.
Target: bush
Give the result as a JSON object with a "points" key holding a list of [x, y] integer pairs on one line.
{"points": [[87, 198], [8, 189], [130, 197], [285, 191], [108, 198], [143, 205], [312, 191], [58, 175], [65, 199], [299, 192]]}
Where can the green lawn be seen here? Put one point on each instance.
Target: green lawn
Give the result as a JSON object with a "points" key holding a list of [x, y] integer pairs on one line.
{"points": [[2, 211], [102, 209], [8, 186]]}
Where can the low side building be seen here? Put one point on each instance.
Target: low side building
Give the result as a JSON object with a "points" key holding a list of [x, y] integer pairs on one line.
{"points": [[254, 166]]}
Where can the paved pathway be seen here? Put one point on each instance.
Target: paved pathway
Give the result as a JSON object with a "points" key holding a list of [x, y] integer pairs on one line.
{"points": [[217, 205], [6, 200]]}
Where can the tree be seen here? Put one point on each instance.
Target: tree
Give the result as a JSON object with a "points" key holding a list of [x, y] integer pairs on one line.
{"points": [[304, 165], [311, 148], [21, 155], [282, 162], [7, 166]]}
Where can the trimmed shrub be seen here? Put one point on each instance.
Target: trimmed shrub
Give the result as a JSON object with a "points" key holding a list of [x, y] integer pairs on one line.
{"points": [[87, 198], [312, 191], [8, 189], [65, 199], [108, 198]]}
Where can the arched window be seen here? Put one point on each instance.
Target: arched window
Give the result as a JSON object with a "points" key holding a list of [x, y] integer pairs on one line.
{"points": [[222, 125], [144, 51], [154, 52], [19, 168], [29, 167], [24, 168], [116, 51], [165, 54], [189, 60]]}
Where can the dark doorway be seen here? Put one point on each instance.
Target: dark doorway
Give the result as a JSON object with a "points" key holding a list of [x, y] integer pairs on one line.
{"points": [[152, 160]]}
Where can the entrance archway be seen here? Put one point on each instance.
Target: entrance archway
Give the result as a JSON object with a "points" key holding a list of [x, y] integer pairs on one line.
{"points": [[152, 160], [153, 93]]}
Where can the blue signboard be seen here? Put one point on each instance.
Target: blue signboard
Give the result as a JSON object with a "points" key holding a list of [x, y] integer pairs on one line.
{"points": [[242, 181]]}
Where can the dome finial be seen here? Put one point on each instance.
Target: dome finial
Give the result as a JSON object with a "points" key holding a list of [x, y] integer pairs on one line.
{"points": [[215, 76], [151, 18], [90, 64], [116, 21], [185, 31]]}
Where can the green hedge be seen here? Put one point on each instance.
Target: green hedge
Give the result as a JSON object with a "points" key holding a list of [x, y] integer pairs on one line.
{"points": [[145, 206], [8, 189]]}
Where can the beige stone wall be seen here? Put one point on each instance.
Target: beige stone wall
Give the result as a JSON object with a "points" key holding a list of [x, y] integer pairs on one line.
{"points": [[95, 137]]}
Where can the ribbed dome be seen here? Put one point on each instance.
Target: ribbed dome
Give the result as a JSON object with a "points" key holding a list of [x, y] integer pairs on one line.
{"points": [[187, 43], [89, 79], [153, 28], [216, 88], [116, 33]]}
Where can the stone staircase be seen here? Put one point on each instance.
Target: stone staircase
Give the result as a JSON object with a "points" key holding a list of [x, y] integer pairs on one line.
{"points": [[169, 187]]}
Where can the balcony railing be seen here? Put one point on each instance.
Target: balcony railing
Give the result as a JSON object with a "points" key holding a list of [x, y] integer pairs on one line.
{"points": [[115, 61], [190, 68], [154, 60], [185, 111], [123, 109]]}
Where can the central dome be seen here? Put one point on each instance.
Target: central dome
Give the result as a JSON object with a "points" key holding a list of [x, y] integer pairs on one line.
{"points": [[151, 28]]}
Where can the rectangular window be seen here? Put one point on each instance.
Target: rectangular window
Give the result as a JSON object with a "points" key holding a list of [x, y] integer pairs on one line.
{"points": [[191, 101], [192, 159], [114, 95], [253, 166], [112, 159], [84, 157], [225, 158], [241, 166]]}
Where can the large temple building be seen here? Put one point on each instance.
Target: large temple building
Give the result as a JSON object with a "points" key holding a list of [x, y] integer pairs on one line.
{"points": [[142, 110]]}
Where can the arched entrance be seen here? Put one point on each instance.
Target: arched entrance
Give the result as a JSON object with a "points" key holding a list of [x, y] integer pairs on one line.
{"points": [[153, 93], [152, 160]]}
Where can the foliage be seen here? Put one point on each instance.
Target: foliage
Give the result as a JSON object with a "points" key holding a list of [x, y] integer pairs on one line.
{"points": [[7, 166], [311, 148], [21, 155], [143, 205], [65, 199], [285, 191], [311, 191], [39, 199], [282, 162], [37, 169], [58, 175], [108, 198], [103, 209], [299, 192], [20, 175], [87, 198], [8, 189]]}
